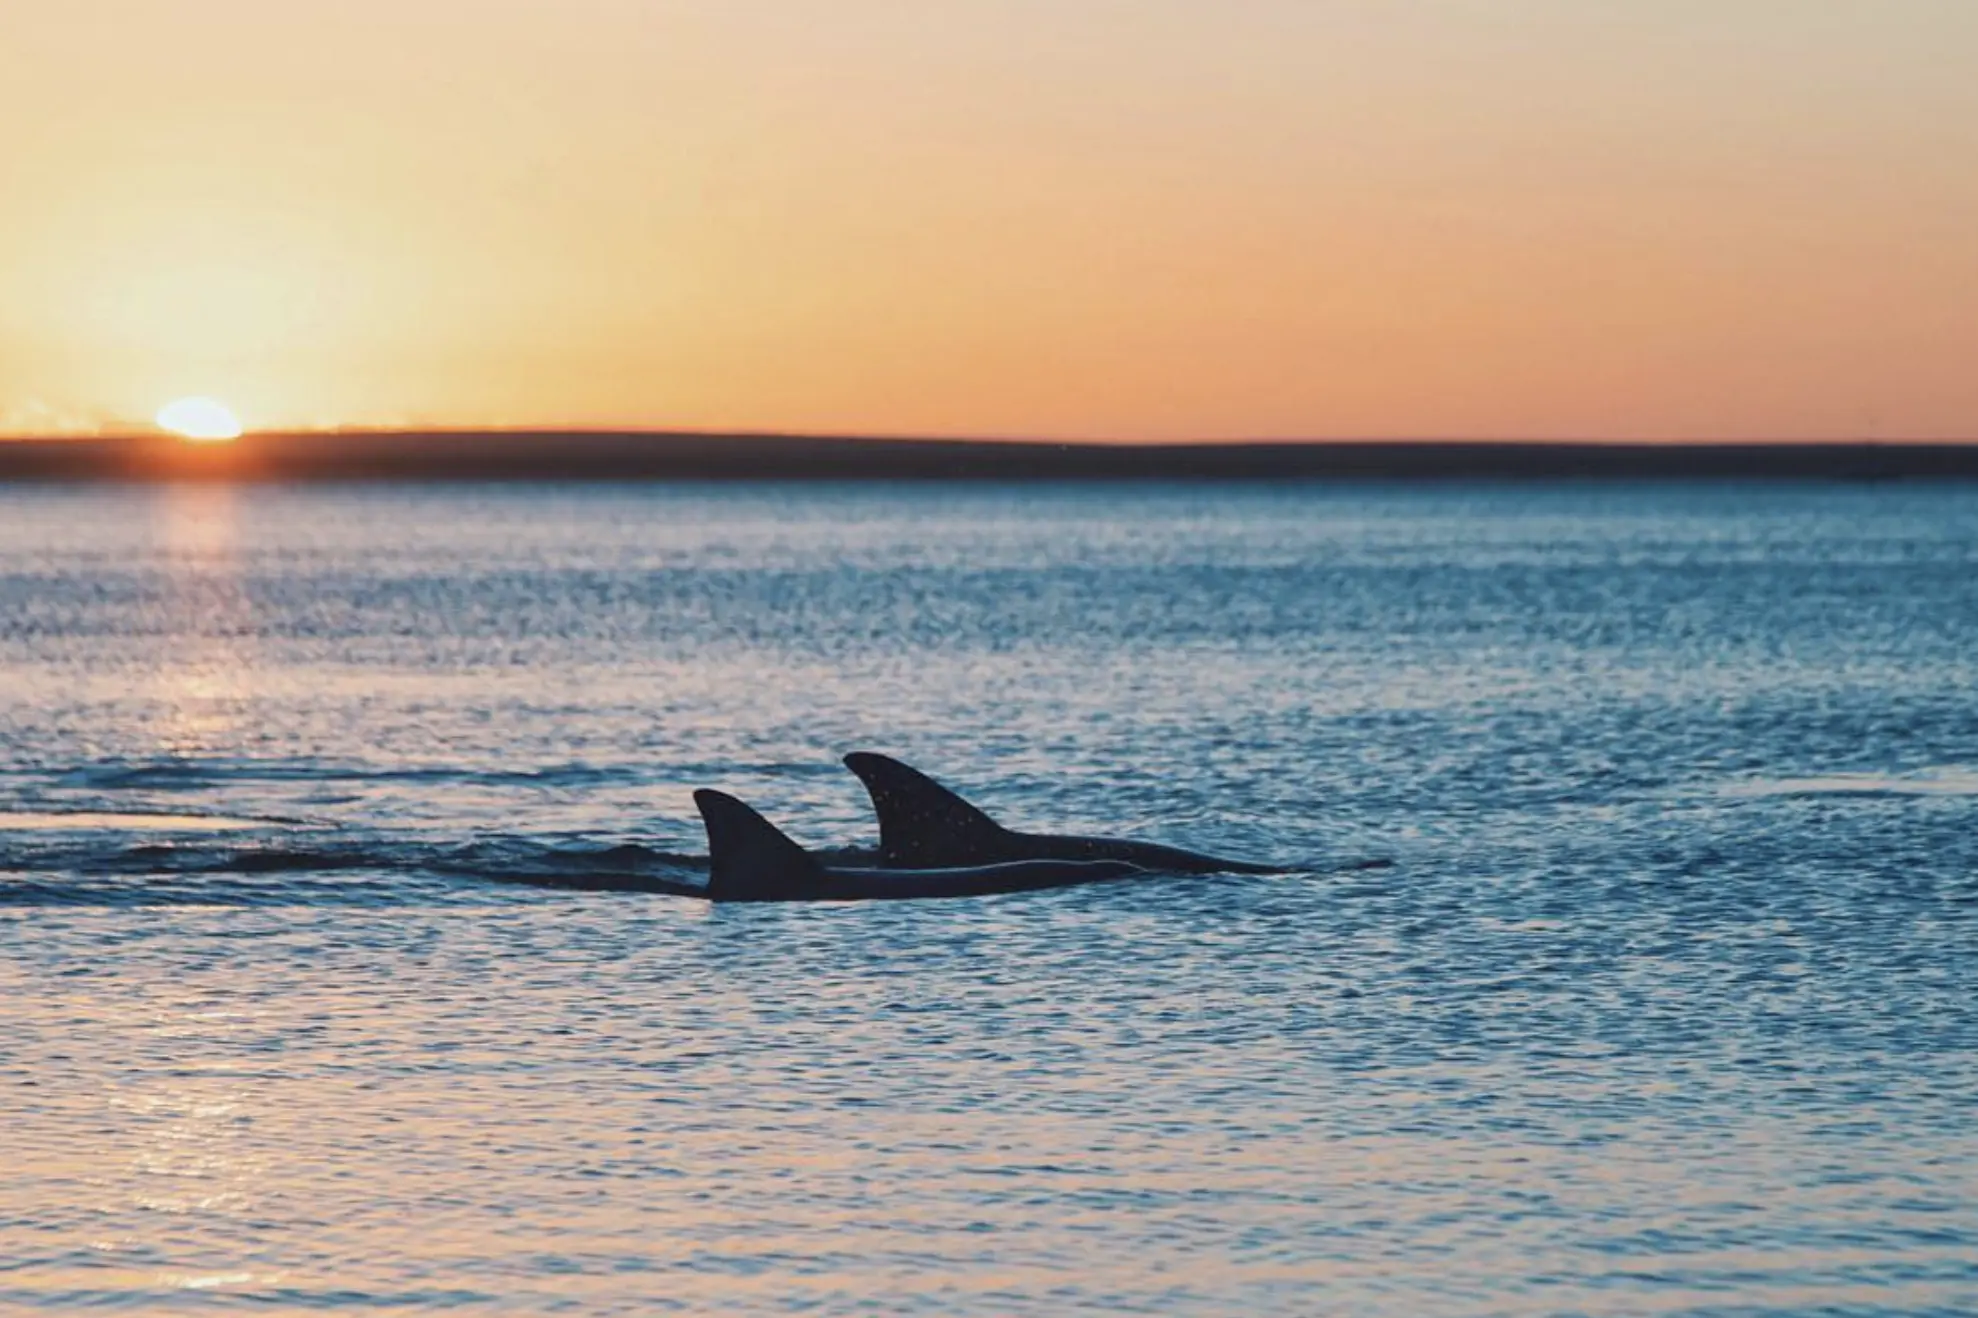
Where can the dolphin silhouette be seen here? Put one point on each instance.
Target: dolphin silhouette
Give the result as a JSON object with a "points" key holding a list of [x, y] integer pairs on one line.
{"points": [[751, 860], [922, 825]]}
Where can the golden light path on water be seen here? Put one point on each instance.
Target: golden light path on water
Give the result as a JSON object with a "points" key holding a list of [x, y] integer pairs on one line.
{"points": [[202, 681]]}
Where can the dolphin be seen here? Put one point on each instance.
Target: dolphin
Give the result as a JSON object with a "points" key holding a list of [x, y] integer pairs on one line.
{"points": [[922, 824], [751, 860]]}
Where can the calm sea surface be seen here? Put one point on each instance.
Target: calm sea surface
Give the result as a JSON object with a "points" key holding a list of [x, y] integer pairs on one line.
{"points": [[1668, 1003]]}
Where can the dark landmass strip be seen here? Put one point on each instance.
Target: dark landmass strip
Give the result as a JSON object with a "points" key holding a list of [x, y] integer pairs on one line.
{"points": [[638, 455]]}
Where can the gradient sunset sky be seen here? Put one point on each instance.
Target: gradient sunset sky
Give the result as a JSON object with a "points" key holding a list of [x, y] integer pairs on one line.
{"points": [[1106, 218]]}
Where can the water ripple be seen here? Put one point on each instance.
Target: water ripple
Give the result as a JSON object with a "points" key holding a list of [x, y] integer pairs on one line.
{"points": [[1664, 1004]]}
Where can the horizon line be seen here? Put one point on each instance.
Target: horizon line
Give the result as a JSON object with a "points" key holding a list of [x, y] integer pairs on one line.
{"points": [[148, 435]]}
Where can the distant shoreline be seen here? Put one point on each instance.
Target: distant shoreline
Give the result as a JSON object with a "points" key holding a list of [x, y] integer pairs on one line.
{"points": [[550, 455]]}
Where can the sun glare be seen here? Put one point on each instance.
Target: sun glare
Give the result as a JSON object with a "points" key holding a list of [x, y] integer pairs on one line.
{"points": [[205, 420]]}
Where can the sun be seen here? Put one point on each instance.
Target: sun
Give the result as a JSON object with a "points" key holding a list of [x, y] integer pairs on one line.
{"points": [[203, 420]]}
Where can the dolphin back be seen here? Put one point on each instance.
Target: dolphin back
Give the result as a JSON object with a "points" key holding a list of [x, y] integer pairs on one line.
{"points": [[923, 825], [971, 880], [1147, 855], [750, 859]]}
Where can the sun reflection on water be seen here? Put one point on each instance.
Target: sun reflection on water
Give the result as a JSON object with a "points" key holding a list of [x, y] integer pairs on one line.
{"points": [[201, 683]]}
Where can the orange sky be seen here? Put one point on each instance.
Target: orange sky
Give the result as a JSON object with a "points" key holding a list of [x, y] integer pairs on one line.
{"points": [[1115, 218]]}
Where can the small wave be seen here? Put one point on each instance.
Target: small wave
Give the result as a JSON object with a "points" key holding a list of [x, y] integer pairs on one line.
{"points": [[193, 775], [170, 775], [72, 821], [111, 856], [112, 869], [1924, 783], [622, 868], [233, 890]]}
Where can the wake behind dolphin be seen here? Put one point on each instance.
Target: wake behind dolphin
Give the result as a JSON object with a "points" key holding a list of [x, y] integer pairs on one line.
{"points": [[923, 824], [751, 860]]}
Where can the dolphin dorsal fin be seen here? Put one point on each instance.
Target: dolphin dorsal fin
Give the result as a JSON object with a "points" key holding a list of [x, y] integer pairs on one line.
{"points": [[750, 859], [921, 823]]}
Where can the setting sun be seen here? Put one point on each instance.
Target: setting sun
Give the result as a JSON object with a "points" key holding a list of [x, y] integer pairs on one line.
{"points": [[205, 420]]}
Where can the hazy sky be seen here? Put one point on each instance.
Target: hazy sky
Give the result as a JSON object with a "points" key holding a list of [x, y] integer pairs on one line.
{"points": [[1132, 218]]}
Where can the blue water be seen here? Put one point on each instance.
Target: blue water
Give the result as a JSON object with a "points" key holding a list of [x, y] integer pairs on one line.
{"points": [[1668, 1003]]}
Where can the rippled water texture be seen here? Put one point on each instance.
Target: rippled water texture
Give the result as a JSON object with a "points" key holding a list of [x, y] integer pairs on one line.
{"points": [[1668, 1003]]}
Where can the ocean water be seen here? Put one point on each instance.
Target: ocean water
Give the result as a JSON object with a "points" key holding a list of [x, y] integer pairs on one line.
{"points": [[1667, 1002]]}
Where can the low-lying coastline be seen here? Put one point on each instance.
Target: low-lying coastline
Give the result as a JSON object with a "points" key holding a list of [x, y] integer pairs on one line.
{"points": [[546, 455]]}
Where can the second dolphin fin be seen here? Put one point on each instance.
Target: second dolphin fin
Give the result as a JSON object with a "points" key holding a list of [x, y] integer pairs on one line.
{"points": [[921, 823]]}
